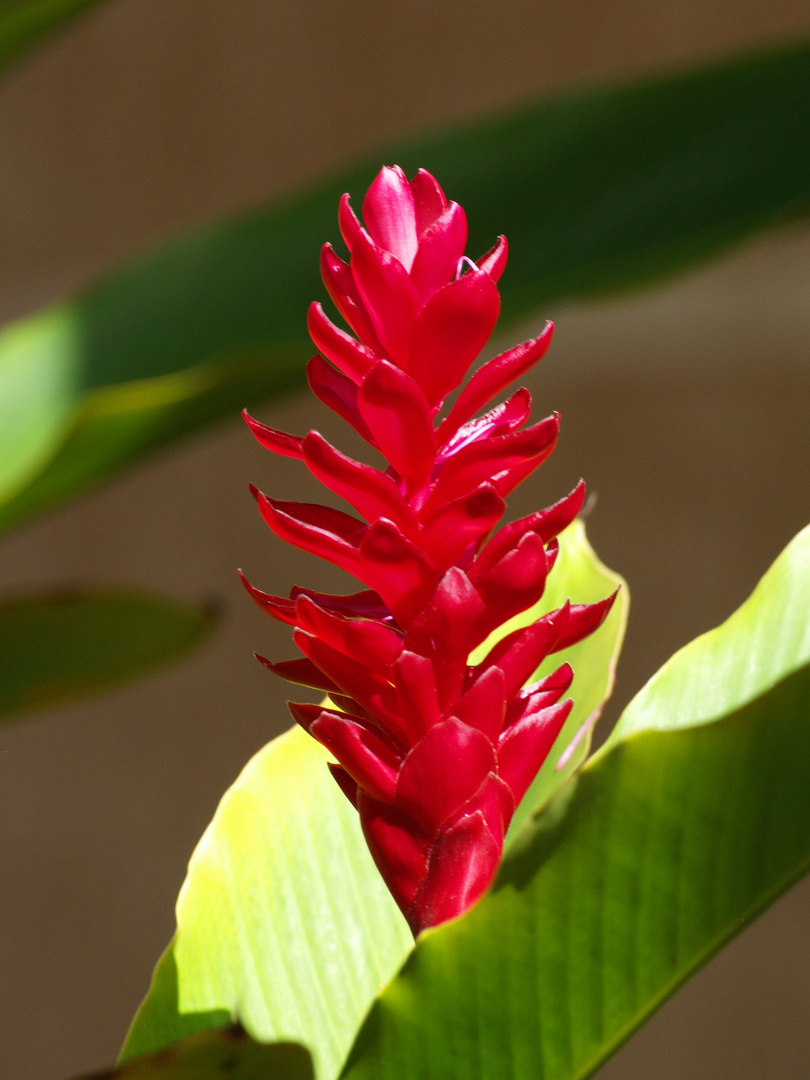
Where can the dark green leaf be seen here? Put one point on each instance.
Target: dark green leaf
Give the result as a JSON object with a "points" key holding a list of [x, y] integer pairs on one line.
{"points": [[597, 191], [59, 645], [229, 1054], [671, 839], [25, 23]]}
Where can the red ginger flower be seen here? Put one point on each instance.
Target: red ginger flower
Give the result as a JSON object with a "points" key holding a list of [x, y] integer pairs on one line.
{"points": [[434, 753]]}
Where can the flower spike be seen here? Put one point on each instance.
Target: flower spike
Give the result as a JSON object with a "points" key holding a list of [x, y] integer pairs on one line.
{"points": [[434, 753]]}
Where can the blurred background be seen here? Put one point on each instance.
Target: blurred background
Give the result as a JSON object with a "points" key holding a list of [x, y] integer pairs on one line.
{"points": [[685, 406]]}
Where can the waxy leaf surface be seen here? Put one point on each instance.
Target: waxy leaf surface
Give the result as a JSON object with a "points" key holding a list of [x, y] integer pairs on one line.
{"points": [[61, 644], [691, 821], [716, 672], [597, 191], [283, 922]]}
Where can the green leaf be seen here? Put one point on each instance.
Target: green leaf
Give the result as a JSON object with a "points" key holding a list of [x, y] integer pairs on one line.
{"points": [[38, 363], [669, 842], [229, 1054], [61, 644], [283, 921], [716, 673], [597, 191], [580, 577], [26, 23]]}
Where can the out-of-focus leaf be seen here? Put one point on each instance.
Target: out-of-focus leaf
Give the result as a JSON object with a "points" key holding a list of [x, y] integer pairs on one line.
{"points": [[229, 1054], [26, 23], [674, 836], [58, 645], [283, 921], [597, 191], [580, 577], [38, 393]]}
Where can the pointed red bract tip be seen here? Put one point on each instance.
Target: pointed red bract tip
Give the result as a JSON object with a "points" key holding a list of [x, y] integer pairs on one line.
{"points": [[433, 752]]}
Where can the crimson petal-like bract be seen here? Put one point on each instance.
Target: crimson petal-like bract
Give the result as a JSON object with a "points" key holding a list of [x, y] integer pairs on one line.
{"points": [[434, 752]]}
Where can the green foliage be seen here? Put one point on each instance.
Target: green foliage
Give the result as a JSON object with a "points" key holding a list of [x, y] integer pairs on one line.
{"points": [[61, 644], [694, 817], [228, 1054], [765, 640], [283, 921], [25, 23], [597, 191], [621, 877], [670, 840], [580, 577]]}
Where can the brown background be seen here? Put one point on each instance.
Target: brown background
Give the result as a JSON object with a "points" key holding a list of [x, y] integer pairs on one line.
{"points": [[685, 407]]}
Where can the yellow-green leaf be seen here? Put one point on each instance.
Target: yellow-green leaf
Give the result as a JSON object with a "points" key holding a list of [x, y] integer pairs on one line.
{"points": [[580, 577], [283, 921]]}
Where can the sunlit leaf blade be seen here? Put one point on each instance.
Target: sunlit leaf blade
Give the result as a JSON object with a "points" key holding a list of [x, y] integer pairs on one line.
{"points": [[283, 920], [715, 673], [580, 577], [26, 23], [670, 843], [61, 644], [597, 191], [228, 1054]]}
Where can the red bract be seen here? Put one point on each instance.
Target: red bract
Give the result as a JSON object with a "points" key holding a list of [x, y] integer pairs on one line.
{"points": [[433, 752]]}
